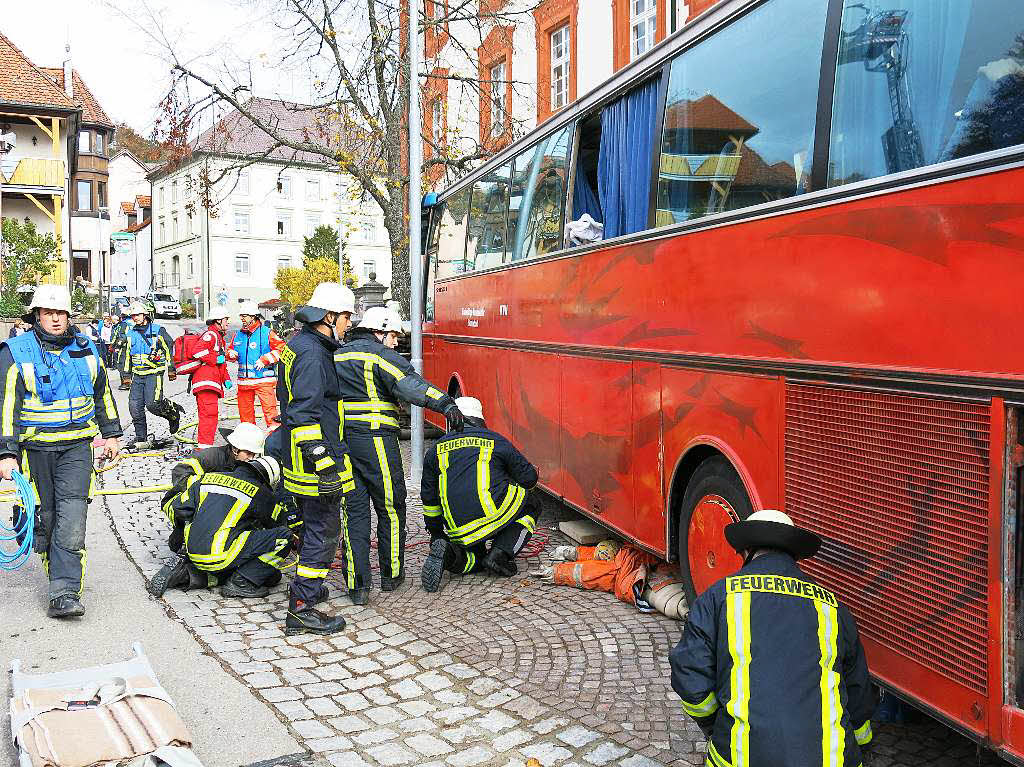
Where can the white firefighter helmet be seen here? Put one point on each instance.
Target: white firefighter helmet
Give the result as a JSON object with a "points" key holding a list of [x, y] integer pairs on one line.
{"points": [[215, 313], [250, 308], [247, 436], [327, 297], [395, 321], [54, 297], [137, 307], [470, 407], [269, 468], [376, 318]]}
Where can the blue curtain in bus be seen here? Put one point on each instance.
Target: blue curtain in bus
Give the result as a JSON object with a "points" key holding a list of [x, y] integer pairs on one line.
{"points": [[583, 198], [624, 164]]}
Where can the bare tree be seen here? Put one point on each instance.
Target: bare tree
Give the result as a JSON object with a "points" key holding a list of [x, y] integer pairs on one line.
{"points": [[354, 53]]}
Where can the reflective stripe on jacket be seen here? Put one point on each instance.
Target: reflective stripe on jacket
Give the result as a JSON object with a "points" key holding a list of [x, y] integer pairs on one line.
{"points": [[474, 483], [374, 379], [771, 666]]}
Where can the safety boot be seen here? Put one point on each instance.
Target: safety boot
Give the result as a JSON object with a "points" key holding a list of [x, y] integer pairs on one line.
{"points": [[240, 587], [173, 574], [391, 584], [322, 595], [359, 596], [66, 606], [434, 565], [500, 562], [304, 619]]}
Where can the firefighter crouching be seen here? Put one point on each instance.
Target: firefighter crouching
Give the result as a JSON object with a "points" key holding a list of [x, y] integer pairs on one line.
{"points": [[233, 531], [256, 348], [149, 353], [243, 444], [770, 665], [316, 466], [374, 379], [54, 400], [475, 489]]}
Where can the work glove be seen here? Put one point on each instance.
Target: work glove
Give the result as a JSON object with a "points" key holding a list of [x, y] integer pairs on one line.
{"points": [[228, 384], [452, 414], [329, 486], [176, 539], [220, 359]]}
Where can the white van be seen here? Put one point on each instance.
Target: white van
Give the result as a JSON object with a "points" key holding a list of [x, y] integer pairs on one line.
{"points": [[165, 305]]}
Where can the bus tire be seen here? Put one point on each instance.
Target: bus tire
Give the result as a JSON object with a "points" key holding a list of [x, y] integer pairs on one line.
{"points": [[714, 498]]}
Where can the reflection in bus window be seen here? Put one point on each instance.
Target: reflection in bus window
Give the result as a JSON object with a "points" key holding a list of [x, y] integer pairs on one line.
{"points": [[489, 203], [739, 124], [924, 81], [451, 238], [538, 191], [431, 261]]}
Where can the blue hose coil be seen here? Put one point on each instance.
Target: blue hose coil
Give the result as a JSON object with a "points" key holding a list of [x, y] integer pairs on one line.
{"points": [[23, 526]]}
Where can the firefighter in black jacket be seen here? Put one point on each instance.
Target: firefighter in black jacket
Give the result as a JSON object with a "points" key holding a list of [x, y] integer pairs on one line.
{"points": [[317, 470], [374, 380], [232, 527], [770, 665], [474, 490], [244, 443]]}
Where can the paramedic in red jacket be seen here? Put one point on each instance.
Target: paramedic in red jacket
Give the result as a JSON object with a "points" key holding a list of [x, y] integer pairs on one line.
{"points": [[209, 374], [256, 348]]}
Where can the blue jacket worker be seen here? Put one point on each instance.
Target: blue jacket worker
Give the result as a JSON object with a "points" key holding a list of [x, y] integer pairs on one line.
{"points": [[770, 665]]}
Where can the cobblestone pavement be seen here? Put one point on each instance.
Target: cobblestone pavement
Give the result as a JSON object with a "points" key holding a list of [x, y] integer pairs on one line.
{"points": [[485, 672]]}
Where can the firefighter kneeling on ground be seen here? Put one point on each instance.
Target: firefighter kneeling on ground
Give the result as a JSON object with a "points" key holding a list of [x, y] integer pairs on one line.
{"points": [[256, 348], [374, 380], [232, 529], [770, 665], [316, 466], [474, 490], [244, 443], [149, 353], [54, 399]]}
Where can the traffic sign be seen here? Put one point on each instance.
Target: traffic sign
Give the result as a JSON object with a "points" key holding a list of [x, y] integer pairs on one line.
{"points": [[196, 291]]}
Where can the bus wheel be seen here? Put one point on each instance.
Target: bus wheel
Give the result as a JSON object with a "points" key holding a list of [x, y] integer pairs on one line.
{"points": [[714, 498]]}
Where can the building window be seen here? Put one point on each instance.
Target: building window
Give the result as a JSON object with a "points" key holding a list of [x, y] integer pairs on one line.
{"points": [[369, 267], [242, 221], [367, 232], [174, 229], [677, 14], [243, 182], [99, 142], [174, 191], [84, 141], [284, 262], [313, 190], [436, 129], [175, 276], [101, 194], [163, 232], [191, 266], [643, 19], [284, 224], [312, 222], [242, 265], [188, 223], [161, 193], [284, 186], [83, 192], [499, 88], [560, 67]]}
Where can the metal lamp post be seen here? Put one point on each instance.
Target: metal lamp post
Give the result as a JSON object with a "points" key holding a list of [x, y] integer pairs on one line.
{"points": [[415, 260]]}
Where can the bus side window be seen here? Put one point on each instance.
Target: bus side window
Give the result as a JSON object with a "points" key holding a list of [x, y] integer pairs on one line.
{"points": [[537, 198], [925, 81], [739, 124], [451, 236], [487, 211]]}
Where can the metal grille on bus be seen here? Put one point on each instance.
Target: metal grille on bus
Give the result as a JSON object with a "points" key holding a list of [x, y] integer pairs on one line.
{"points": [[898, 488]]}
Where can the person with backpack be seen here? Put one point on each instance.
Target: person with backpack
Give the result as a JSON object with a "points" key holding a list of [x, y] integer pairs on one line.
{"points": [[148, 354], [207, 364], [256, 348]]}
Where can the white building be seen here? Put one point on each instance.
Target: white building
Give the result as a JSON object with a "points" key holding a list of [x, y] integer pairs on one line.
{"points": [[131, 261], [264, 201]]}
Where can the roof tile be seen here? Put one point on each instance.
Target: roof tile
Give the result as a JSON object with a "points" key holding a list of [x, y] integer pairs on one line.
{"points": [[92, 112], [22, 82]]}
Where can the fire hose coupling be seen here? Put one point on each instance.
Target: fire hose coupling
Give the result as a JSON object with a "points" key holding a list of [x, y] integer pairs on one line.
{"points": [[22, 530]]}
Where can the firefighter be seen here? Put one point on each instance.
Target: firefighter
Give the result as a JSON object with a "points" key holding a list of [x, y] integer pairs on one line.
{"points": [[316, 467], [54, 400], [233, 530], [474, 490], [770, 665], [148, 351], [374, 380], [120, 356], [256, 348], [210, 377]]}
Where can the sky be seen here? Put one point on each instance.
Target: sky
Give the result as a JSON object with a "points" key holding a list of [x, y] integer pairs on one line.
{"points": [[127, 70]]}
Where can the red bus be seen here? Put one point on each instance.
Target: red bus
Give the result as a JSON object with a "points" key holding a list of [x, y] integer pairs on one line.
{"points": [[778, 262]]}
